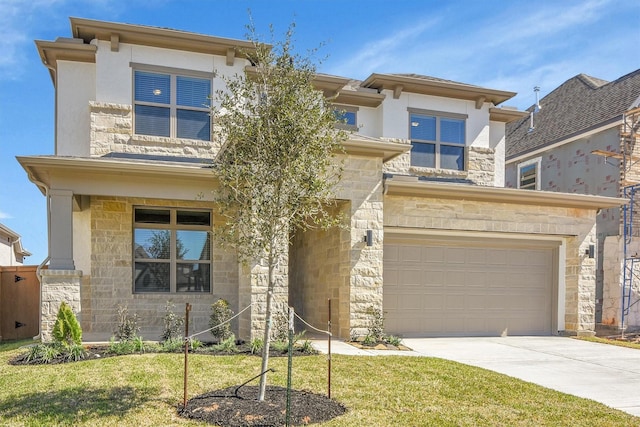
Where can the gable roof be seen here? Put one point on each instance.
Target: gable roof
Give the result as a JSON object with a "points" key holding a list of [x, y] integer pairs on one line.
{"points": [[579, 105]]}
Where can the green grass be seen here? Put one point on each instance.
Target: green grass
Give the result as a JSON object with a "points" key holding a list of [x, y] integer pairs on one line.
{"points": [[144, 390], [628, 344]]}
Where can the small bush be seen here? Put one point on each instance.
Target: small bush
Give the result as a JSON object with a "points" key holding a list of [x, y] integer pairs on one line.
{"points": [[121, 347], [75, 352], [172, 345], [393, 340], [195, 344], [43, 353], [375, 328], [127, 324], [228, 345], [66, 330], [220, 313], [280, 346], [306, 347], [256, 345], [172, 324]]}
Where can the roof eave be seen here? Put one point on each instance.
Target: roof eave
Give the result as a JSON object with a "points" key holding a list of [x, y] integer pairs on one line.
{"points": [[357, 145], [440, 190], [436, 88]]}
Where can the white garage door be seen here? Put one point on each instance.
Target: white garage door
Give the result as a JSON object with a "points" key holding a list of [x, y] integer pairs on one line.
{"points": [[467, 288]]}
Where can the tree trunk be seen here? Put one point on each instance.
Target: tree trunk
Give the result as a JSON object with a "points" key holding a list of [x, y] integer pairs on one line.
{"points": [[267, 331]]}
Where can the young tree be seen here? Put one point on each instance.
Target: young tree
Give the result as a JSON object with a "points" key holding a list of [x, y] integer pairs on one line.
{"points": [[277, 168]]}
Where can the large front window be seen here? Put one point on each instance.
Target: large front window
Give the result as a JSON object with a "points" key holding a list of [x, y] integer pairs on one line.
{"points": [[172, 250], [172, 105], [437, 140]]}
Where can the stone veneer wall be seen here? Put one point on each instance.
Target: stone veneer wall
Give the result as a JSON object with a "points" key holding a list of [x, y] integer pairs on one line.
{"points": [[318, 271], [613, 281], [111, 281], [480, 166], [112, 131], [576, 226], [362, 185], [58, 286]]}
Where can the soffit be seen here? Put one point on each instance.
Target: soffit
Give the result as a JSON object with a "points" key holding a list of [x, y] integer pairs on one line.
{"points": [[366, 146], [437, 87], [412, 187]]}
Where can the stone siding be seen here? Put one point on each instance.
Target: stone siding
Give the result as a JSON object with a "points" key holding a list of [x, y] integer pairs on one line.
{"points": [[112, 131], [480, 166], [575, 226], [58, 286], [111, 281]]}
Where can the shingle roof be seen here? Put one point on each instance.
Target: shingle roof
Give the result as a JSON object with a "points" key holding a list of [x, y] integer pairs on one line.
{"points": [[576, 106]]}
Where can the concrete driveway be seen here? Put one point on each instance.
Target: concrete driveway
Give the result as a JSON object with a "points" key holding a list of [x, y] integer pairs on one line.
{"points": [[605, 373]]}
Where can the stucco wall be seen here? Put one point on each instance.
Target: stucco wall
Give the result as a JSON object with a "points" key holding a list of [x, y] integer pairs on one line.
{"points": [[575, 227], [111, 278]]}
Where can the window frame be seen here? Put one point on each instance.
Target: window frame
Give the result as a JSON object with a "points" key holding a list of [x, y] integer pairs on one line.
{"points": [[173, 227], [537, 163], [172, 106], [437, 143], [347, 109]]}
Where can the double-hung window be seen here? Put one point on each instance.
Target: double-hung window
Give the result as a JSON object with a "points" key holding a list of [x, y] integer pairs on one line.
{"points": [[172, 105], [437, 139], [172, 250]]}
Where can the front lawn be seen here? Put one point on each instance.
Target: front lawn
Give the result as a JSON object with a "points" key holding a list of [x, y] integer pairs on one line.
{"points": [[144, 390]]}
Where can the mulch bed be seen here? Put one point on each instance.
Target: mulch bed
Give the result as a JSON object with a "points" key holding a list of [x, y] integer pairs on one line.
{"points": [[223, 408]]}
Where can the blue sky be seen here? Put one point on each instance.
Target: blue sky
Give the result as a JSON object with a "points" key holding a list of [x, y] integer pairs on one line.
{"points": [[508, 45]]}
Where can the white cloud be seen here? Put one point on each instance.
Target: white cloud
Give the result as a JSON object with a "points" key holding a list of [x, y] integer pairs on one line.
{"points": [[4, 215]]}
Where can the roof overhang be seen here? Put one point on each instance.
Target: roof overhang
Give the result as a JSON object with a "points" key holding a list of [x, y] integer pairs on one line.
{"points": [[446, 89], [65, 50], [506, 115], [412, 187], [89, 29], [361, 145]]}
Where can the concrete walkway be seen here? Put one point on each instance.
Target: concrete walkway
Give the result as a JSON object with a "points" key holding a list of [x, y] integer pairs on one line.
{"points": [[605, 373]]}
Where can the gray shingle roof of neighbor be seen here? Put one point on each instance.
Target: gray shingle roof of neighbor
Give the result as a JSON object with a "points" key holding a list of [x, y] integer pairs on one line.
{"points": [[578, 105]]}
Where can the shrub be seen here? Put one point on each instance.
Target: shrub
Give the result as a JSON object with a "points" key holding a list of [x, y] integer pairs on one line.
{"points": [[228, 345], [127, 324], [172, 345], [375, 328], [195, 344], [75, 352], [393, 340], [43, 353], [172, 324], [256, 345], [66, 330], [220, 313]]}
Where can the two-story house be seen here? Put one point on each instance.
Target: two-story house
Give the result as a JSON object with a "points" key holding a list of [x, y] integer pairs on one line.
{"points": [[431, 236], [582, 140], [11, 250]]}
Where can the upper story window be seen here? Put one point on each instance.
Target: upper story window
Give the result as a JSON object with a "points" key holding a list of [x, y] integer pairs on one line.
{"points": [[172, 105], [348, 117], [529, 174], [172, 250], [437, 139]]}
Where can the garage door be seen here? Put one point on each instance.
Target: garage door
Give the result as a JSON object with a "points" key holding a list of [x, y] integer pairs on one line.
{"points": [[467, 288]]}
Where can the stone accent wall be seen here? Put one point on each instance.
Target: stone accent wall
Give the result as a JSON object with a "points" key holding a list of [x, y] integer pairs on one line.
{"points": [[362, 185], [319, 270], [111, 282], [575, 226], [613, 284], [480, 166], [112, 131], [58, 286]]}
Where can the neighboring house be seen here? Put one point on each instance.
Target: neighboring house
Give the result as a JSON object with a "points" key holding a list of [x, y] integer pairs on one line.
{"points": [[451, 251], [582, 140], [12, 252]]}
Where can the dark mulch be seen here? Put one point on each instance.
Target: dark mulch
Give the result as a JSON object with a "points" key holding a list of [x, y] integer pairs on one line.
{"points": [[223, 408]]}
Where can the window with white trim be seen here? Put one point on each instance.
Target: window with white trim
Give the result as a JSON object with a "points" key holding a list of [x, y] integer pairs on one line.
{"points": [[171, 250], [172, 105], [437, 139], [529, 174]]}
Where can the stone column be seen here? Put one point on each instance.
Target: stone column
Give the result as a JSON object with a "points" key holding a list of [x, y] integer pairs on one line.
{"points": [[61, 230], [58, 286]]}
